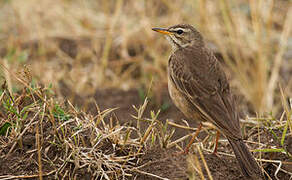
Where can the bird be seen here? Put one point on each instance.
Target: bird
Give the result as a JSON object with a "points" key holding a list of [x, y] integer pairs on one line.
{"points": [[198, 86]]}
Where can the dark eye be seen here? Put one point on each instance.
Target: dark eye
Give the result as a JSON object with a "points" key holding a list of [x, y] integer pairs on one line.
{"points": [[179, 31]]}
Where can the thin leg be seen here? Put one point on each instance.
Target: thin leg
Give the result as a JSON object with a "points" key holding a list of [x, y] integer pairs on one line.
{"points": [[216, 142], [193, 139]]}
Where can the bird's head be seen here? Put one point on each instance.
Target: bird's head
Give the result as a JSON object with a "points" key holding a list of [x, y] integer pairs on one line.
{"points": [[182, 35]]}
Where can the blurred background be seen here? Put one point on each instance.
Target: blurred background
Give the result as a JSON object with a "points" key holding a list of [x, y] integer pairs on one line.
{"points": [[89, 50]]}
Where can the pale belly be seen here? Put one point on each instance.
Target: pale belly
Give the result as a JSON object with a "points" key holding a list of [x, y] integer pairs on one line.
{"points": [[182, 103]]}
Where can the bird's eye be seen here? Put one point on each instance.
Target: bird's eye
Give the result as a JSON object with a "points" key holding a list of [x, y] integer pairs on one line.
{"points": [[179, 31]]}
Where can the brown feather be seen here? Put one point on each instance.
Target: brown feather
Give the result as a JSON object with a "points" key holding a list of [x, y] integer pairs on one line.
{"points": [[200, 80], [199, 88]]}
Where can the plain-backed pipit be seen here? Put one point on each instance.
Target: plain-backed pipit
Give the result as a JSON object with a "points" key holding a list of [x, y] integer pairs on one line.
{"points": [[199, 88]]}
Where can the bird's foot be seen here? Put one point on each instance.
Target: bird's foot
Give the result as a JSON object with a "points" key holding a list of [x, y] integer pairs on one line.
{"points": [[215, 153], [182, 153]]}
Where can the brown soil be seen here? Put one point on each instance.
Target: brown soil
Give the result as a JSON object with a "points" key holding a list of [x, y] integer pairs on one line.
{"points": [[158, 161], [163, 162]]}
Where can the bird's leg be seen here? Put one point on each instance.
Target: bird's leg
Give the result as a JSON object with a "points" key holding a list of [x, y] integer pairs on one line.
{"points": [[193, 139], [216, 142]]}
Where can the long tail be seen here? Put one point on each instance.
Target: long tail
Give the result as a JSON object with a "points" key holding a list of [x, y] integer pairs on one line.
{"points": [[247, 163]]}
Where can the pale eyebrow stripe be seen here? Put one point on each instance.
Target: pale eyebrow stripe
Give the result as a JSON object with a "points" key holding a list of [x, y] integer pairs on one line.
{"points": [[183, 29], [176, 29]]}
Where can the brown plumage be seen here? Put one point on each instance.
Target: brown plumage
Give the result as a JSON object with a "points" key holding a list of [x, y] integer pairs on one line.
{"points": [[199, 88]]}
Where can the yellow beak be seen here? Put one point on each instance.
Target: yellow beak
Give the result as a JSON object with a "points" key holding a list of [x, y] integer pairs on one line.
{"points": [[161, 30]]}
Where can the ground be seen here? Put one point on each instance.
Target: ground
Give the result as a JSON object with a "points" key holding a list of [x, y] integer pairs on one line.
{"points": [[165, 163]]}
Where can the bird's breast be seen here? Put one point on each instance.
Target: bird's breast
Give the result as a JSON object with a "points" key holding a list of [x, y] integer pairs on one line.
{"points": [[181, 102]]}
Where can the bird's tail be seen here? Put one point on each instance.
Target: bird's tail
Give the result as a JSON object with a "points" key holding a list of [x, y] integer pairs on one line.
{"points": [[247, 163]]}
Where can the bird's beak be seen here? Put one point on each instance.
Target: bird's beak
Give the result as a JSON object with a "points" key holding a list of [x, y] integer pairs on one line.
{"points": [[162, 30]]}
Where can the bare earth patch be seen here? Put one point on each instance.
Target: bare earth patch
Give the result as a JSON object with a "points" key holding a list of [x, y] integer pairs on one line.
{"points": [[154, 162]]}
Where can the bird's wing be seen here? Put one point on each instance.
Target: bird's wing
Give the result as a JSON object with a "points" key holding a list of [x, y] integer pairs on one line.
{"points": [[207, 89]]}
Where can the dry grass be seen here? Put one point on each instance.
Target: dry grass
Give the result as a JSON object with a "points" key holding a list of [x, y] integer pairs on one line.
{"points": [[116, 48], [88, 45], [69, 143], [61, 141]]}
